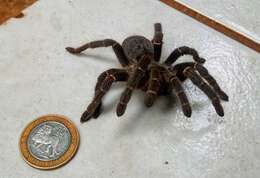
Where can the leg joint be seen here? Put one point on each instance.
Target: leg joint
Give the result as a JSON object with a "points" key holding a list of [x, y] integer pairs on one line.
{"points": [[155, 80], [140, 69], [112, 76], [102, 90], [109, 42], [185, 104], [152, 92], [179, 92], [174, 77]]}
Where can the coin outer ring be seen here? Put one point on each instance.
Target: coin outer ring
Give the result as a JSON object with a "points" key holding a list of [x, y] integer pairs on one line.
{"points": [[52, 164]]}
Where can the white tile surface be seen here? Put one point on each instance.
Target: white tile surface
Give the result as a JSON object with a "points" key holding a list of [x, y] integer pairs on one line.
{"points": [[39, 77], [240, 15]]}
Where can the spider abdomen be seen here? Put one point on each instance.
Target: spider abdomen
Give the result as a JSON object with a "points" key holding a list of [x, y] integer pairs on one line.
{"points": [[136, 46]]}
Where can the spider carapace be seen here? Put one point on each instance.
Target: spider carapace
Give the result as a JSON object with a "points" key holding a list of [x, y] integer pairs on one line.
{"points": [[140, 59]]}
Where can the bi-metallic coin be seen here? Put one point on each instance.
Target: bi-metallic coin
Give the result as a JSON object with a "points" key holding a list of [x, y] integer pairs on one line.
{"points": [[49, 142]]}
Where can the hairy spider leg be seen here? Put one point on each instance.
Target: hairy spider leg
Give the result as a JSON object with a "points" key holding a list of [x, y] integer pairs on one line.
{"points": [[184, 50], [103, 43], [179, 92], [132, 83], [179, 68], [198, 81], [102, 86], [213, 83], [153, 86], [157, 41], [204, 73], [100, 79]]}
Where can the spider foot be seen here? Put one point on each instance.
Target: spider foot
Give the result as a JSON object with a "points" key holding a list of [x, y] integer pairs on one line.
{"points": [[149, 100], [91, 113], [218, 107], [187, 110], [85, 117], [120, 110], [72, 50], [202, 60], [205, 74]]}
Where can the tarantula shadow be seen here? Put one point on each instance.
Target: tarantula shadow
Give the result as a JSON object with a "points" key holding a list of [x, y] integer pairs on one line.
{"points": [[141, 69]]}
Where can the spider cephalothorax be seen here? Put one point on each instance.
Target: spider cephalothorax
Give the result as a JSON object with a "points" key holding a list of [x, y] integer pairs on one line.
{"points": [[142, 70]]}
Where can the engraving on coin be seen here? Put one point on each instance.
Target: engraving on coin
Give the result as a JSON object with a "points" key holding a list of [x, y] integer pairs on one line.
{"points": [[48, 141]]}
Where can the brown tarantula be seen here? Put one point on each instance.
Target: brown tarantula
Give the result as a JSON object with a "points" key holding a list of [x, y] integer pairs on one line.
{"points": [[141, 69]]}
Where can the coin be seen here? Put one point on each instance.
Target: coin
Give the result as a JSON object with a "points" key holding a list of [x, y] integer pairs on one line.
{"points": [[49, 142]]}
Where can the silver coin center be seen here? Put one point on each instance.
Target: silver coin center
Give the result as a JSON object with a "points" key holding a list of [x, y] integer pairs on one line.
{"points": [[48, 140]]}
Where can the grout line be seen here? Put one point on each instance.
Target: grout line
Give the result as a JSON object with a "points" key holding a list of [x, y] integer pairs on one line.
{"points": [[213, 24]]}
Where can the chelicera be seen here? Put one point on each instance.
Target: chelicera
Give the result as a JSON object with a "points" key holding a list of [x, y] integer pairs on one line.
{"points": [[140, 58]]}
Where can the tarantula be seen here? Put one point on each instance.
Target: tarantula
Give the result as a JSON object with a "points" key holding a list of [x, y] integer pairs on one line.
{"points": [[141, 70]]}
